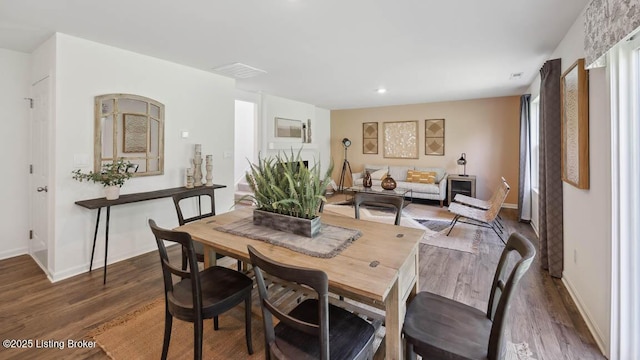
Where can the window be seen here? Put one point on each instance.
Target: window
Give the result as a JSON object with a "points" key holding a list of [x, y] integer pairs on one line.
{"points": [[534, 115]]}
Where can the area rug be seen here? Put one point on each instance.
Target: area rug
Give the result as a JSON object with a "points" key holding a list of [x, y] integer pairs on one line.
{"points": [[435, 221], [139, 335]]}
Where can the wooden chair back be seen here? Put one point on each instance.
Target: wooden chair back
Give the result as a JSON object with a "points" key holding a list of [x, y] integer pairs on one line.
{"points": [[503, 286], [168, 269], [315, 279], [199, 194], [396, 202]]}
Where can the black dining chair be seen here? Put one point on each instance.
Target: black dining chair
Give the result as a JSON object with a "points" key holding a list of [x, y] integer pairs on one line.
{"points": [[197, 194], [199, 295], [396, 202], [436, 327], [314, 329]]}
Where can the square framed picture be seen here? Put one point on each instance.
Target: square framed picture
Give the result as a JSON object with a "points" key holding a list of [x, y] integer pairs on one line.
{"points": [[400, 139]]}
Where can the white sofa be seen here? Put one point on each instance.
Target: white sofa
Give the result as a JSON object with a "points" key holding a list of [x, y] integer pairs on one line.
{"points": [[437, 191]]}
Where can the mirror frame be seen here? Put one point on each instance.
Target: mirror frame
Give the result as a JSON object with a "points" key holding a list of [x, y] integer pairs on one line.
{"points": [[99, 159]]}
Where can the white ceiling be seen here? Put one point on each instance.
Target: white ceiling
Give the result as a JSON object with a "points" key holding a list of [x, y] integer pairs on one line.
{"points": [[331, 53]]}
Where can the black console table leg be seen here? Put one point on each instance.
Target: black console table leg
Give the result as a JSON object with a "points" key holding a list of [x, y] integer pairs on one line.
{"points": [[95, 236], [106, 245]]}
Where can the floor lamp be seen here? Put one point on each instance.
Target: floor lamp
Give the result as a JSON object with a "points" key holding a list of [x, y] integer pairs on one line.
{"points": [[345, 165]]}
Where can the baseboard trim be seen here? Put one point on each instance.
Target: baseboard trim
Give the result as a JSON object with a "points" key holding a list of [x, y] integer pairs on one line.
{"points": [[593, 328], [98, 265], [13, 253]]}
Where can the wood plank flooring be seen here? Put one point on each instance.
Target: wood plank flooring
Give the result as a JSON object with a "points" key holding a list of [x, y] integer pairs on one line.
{"points": [[32, 308]]}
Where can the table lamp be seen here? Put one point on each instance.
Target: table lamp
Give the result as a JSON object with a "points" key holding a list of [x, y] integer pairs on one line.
{"points": [[463, 162]]}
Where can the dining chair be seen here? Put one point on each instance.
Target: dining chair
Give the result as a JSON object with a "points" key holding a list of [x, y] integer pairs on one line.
{"points": [[362, 198], [314, 329], [199, 295], [197, 194], [484, 218], [436, 327]]}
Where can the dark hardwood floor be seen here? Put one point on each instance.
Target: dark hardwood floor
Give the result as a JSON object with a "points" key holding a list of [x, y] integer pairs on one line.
{"points": [[543, 314]]}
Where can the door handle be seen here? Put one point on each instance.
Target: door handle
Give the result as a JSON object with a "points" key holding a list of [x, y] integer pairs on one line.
{"points": [[41, 189]]}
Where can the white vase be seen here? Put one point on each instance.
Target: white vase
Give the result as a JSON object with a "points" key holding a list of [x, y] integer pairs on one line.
{"points": [[112, 192]]}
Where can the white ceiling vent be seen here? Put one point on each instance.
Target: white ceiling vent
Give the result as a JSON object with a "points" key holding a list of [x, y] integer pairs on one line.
{"points": [[514, 76], [238, 71]]}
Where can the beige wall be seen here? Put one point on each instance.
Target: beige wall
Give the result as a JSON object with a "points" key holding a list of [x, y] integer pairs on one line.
{"points": [[487, 130]]}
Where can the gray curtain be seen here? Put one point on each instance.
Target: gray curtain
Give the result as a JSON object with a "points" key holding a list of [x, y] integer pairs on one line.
{"points": [[550, 200], [524, 181]]}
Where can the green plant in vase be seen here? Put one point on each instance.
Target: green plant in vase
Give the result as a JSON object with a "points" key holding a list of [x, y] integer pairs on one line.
{"points": [[284, 185], [113, 175]]}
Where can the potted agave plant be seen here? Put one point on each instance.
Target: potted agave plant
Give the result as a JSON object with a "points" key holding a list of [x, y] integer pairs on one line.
{"points": [[288, 194], [112, 177]]}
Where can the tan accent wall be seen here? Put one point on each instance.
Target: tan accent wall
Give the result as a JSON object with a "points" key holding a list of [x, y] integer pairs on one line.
{"points": [[487, 130]]}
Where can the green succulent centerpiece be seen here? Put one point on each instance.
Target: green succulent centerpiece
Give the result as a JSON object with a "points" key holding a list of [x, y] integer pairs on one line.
{"points": [[112, 174], [283, 185]]}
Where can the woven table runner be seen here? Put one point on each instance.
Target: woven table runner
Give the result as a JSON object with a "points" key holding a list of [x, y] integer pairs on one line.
{"points": [[328, 243]]}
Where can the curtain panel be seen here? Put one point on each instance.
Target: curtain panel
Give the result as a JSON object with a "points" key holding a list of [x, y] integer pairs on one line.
{"points": [[524, 180], [550, 198], [606, 23]]}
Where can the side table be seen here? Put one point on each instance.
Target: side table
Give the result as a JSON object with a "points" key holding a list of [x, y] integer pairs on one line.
{"points": [[458, 184]]}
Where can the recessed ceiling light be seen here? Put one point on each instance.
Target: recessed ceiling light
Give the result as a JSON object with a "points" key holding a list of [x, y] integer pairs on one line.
{"points": [[381, 90]]}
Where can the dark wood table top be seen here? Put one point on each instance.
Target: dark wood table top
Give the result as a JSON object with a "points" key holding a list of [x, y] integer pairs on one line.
{"points": [[141, 196]]}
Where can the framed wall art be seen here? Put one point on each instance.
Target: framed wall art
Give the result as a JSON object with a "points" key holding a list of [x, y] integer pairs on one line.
{"points": [[400, 139], [574, 90], [134, 133], [370, 138], [434, 137], [288, 128]]}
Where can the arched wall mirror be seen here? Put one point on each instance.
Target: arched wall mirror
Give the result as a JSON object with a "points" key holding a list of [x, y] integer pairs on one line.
{"points": [[129, 127]]}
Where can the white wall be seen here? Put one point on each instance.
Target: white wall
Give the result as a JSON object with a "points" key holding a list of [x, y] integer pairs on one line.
{"points": [[14, 142], [273, 106], [197, 101], [587, 213], [245, 128]]}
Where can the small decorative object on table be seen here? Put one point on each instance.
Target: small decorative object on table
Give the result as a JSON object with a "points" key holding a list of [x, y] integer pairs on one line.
{"points": [[112, 177], [209, 167], [366, 182], [197, 164], [284, 187], [388, 183], [189, 178]]}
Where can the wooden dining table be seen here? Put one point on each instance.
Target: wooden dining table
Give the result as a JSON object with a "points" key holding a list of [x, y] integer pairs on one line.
{"points": [[379, 268]]}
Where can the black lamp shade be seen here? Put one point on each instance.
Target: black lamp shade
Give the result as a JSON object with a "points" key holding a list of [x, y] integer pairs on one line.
{"points": [[346, 142]]}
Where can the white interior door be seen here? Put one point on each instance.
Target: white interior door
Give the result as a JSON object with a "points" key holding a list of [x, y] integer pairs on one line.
{"points": [[39, 191]]}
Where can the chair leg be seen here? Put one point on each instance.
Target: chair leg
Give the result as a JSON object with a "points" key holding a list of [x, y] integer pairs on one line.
{"points": [[411, 355], [197, 340], [215, 323], [239, 266], [168, 321], [455, 220], [247, 323], [184, 259]]}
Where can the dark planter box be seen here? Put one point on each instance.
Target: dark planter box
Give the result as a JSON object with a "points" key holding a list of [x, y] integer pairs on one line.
{"points": [[286, 223]]}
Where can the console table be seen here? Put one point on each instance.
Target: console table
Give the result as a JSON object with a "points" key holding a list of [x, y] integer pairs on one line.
{"points": [[99, 203], [459, 184]]}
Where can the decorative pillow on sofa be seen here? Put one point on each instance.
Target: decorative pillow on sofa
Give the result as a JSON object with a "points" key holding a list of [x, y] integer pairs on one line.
{"points": [[439, 172], [378, 174], [423, 177]]}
